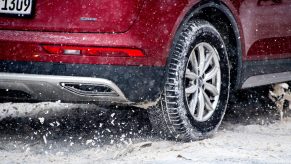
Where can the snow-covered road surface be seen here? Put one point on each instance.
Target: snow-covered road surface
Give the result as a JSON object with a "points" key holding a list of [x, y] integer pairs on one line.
{"points": [[66, 133]]}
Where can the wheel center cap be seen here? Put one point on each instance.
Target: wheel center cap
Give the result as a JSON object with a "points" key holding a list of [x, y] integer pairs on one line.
{"points": [[200, 82]]}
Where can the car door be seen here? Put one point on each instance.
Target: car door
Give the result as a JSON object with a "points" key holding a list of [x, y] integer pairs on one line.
{"points": [[266, 26]]}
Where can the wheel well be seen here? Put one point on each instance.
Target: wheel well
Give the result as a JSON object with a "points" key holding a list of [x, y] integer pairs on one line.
{"points": [[220, 20]]}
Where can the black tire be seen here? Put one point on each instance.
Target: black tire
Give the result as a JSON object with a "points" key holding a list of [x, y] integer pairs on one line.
{"points": [[171, 117]]}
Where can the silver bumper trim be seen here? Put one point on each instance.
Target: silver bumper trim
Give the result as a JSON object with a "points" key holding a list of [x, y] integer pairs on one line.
{"points": [[49, 87], [260, 80]]}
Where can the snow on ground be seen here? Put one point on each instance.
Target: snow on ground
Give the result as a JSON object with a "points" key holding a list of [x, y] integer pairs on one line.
{"points": [[67, 133]]}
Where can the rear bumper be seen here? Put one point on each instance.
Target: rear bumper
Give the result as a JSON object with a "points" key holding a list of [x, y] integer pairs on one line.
{"points": [[48, 81], [48, 87]]}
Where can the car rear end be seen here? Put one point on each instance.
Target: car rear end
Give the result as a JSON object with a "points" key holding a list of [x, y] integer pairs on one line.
{"points": [[75, 51]]}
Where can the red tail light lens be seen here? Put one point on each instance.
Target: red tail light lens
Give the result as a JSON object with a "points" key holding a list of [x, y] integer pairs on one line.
{"points": [[93, 51], [53, 49]]}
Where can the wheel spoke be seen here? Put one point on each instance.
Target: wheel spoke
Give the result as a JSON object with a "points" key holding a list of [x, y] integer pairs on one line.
{"points": [[191, 89], [211, 73], [191, 75], [193, 103], [194, 62], [207, 61], [201, 106], [208, 104], [201, 59], [211, 88]]}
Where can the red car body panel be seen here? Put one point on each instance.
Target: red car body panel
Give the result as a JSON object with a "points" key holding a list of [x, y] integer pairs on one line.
{"points": [[78, 16], [151, 33], [266, 26]]}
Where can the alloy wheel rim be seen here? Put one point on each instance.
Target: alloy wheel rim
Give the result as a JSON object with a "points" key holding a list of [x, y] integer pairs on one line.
{"points": [[202, 81]]}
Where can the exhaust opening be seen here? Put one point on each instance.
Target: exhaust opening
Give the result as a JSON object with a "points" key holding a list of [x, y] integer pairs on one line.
{"points": [[89, 89]]}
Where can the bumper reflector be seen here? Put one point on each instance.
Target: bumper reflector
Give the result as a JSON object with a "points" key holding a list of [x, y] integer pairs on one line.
{"points": [[93, 51]]}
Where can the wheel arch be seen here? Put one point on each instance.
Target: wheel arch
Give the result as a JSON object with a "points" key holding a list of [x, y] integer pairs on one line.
{"points": [[227, 25]]}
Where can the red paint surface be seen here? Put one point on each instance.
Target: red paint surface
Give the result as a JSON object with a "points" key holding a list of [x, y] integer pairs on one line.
{"points": [[152, 32], [149, 25], [266, 28], [64, 15]]}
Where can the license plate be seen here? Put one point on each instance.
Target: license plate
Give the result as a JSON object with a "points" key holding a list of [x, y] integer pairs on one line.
{"points": [[17, 8]]}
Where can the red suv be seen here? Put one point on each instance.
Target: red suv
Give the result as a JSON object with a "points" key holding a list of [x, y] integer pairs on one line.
{"points": [[181, 57]]}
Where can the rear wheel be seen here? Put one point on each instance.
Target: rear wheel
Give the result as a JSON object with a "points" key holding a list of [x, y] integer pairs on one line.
{"points": [[196, 92]]}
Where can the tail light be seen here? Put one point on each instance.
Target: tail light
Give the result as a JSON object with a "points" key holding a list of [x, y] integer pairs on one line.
{"points": [[93, 51]]}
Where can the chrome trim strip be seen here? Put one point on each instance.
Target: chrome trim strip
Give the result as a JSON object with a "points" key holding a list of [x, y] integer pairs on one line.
{"points": [[42, 86], [260, 80]]}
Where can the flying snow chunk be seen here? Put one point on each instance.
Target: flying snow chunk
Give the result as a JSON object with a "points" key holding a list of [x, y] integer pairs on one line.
{"points": [[58, 124], [89, 141], [41, 120], [44, 139]]}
